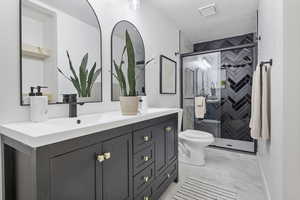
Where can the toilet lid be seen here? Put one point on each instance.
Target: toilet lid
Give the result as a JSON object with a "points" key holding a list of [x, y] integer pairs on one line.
{"points": [[195, 134]]}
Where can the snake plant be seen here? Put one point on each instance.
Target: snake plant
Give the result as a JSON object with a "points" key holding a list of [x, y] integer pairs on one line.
{"points": [[119, 74], [84, 81], [131, 62]]}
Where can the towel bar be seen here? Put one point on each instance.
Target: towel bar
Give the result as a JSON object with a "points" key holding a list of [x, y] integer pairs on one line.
{"points": [[266, 62]]}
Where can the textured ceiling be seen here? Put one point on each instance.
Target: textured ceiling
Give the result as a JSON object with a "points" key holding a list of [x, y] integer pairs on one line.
{"points": [[234, 17]]}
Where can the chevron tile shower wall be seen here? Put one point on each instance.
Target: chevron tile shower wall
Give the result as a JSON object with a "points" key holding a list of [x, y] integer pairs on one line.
{"points": [[236, 103]]}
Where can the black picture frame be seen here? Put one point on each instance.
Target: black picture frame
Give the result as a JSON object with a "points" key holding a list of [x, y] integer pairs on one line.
{"points": [[162, 58], [21, 63]]}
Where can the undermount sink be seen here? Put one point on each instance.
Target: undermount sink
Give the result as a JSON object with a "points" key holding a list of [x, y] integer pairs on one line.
{"points": [[81, 120]]}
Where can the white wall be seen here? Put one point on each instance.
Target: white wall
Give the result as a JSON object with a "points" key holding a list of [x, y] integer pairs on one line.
{"points": [[159, 34], [271, 46], [186, 46], [291, 135], [279, 158]]}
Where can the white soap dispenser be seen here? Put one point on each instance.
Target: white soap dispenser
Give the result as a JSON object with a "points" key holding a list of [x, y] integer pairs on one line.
{"points": [[143, 104], [38, 106]]}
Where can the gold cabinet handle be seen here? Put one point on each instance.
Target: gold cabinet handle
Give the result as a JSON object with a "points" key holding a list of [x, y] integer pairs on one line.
{"points": [[100, 158], [146, 138], [169, 128], [146, 179], [146, 158], [107, 155], [146, 198]]}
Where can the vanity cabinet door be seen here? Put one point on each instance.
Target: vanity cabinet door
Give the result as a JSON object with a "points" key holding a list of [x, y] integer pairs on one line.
{"points": [[75, 175], [160, 149], [166, 144], [117, 170], [171, 141]]}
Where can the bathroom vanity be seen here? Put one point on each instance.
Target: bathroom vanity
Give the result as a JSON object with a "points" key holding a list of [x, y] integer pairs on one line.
{"points": [[94, 157]]}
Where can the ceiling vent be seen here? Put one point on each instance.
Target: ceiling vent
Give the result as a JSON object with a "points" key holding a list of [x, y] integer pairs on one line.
{"points": [[208, 10]]}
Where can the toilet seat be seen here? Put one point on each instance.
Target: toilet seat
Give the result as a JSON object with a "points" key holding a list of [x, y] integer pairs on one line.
{"points": [[196, 135]]}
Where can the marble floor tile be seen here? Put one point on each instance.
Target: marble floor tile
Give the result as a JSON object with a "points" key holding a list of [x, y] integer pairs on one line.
{"points": [[237, 171]]}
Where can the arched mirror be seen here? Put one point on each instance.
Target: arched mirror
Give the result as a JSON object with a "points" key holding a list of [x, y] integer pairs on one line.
{"points": [[60, 44], [117, 46]]}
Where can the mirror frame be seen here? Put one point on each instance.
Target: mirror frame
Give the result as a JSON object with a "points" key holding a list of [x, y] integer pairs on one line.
{"points": [[111, 44], [21, 65], [162, 57]]}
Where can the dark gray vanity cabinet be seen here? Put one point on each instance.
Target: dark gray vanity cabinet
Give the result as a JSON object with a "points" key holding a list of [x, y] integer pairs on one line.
{"points": [[82, 174], [134, 162], [75, 175], [166, 145], [116, 179]]}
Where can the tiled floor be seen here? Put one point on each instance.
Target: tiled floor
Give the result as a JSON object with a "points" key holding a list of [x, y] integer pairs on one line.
{"points": [[228, 169]]}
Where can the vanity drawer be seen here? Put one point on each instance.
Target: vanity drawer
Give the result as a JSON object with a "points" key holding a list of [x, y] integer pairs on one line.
{"points": [[142, 139], [147, 194], [165, 179], [143, 159], [143, 179]]}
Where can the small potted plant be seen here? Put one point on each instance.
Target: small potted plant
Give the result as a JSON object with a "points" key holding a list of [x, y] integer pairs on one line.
{"points": [[84, 81], [128, 100]]}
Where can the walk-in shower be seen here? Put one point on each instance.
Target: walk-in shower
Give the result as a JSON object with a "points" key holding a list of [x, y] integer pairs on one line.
{"points": [[224, 77]]}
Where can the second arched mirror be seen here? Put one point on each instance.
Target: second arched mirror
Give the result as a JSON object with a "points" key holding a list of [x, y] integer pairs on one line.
{"points": [[117, 46]]}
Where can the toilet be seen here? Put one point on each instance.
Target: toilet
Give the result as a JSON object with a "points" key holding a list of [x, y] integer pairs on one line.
{"points": [[192, 144]]}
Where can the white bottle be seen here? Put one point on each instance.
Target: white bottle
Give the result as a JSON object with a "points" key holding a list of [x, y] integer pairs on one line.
{"points": [[143, 104], [39, 108]]}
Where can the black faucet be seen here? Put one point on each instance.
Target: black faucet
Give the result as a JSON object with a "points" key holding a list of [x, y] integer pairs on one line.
{"points": [[71, 99]]}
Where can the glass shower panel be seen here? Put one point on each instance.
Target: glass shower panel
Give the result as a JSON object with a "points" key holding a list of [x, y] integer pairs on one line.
{"points": [[202, 77]]}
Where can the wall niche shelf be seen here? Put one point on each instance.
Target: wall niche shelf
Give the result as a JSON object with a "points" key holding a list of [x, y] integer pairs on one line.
{"points": [[35, 52]]}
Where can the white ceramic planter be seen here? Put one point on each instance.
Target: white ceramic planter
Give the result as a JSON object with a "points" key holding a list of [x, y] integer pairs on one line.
{"points": [[129, 105]]}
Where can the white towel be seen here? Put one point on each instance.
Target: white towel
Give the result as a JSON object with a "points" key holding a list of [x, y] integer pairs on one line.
{"points": [[265, 132], [200, 107], [255, 122], [259, 122]]}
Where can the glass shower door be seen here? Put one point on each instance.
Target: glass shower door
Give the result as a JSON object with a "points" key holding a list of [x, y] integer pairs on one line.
{"points": [[202, 77], [224, 78]]}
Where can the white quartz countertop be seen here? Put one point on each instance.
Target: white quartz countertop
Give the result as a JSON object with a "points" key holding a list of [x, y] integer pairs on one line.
{"points": [[60, 129]]}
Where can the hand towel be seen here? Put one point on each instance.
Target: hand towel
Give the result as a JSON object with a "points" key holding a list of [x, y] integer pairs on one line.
{"points": [[200, 107], [265, 123], [255, 122]]}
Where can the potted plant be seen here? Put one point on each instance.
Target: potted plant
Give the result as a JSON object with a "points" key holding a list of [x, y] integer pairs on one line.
{"points": [[128, 100], [84, 81]]}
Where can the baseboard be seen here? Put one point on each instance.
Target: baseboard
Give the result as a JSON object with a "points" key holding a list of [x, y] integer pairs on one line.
{"points": [[264, 178]]}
